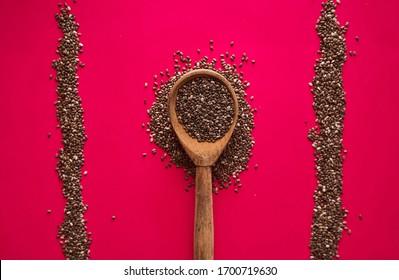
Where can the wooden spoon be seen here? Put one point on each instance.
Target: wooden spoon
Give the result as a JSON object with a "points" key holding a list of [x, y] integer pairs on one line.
{"points": [[204, 155]]}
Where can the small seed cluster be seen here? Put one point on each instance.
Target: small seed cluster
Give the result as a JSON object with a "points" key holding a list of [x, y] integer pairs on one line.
{"points": [[235, 157], [72, 232], [329, 106], [205, 108]]}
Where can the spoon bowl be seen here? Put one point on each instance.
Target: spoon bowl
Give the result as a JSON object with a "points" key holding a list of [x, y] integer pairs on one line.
{"points": [[201, 153]]}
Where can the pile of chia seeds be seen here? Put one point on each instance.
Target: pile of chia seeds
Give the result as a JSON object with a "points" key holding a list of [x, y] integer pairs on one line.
{"points": [[72, 233], [205, 108], [329, 106]]}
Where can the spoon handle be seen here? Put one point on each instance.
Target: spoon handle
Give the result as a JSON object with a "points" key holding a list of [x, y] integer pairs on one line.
{"points": [[203, 224]]}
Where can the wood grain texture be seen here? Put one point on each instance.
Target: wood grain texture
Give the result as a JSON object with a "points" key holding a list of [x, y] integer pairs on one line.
{"points": [[203, 224]]}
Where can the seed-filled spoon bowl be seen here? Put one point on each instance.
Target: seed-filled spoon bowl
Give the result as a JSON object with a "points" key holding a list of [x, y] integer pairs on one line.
{"points": [[204, 155]]}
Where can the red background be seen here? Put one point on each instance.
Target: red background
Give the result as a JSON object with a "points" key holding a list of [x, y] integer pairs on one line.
{"points": [[125, 44]]}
